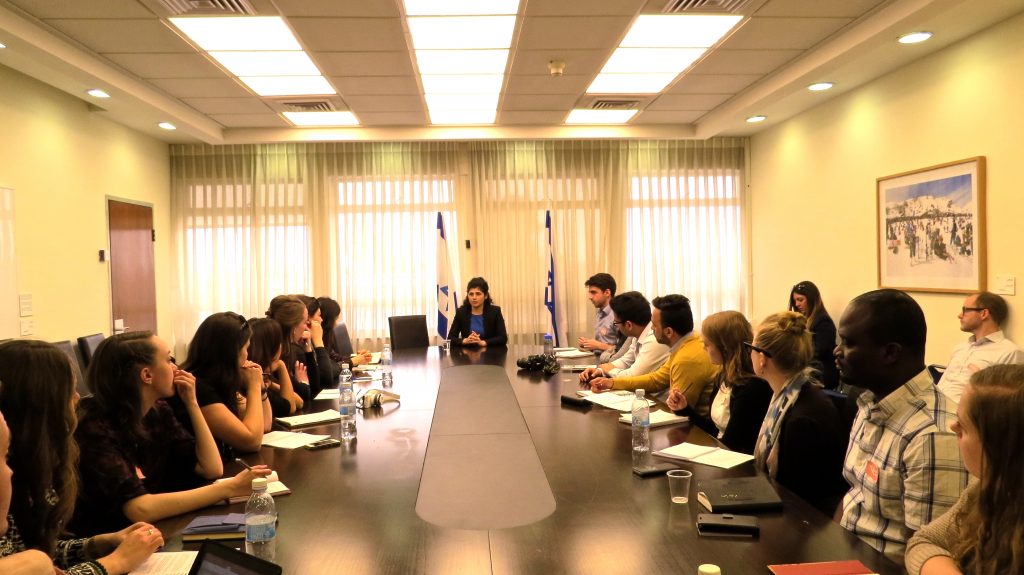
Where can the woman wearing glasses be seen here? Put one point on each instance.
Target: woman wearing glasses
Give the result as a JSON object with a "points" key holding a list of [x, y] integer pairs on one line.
{"points": [[801, 443], [137, 462], [805, 299], [229, 388]]}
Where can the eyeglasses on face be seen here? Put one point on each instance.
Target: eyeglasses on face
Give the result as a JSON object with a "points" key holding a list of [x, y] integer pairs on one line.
{"points": [[965, 309], [758, 349]]}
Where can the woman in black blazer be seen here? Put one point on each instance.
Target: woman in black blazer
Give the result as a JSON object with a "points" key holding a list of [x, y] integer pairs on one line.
{"points": [[478, 322], [805, 299]]}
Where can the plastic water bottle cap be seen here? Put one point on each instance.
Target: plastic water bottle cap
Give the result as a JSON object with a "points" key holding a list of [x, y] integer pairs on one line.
{"points": [[640, 392], [259, 483], [708, 569]]}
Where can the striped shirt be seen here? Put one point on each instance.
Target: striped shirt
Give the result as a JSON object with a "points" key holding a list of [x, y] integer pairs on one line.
{"points": [[903, 465]]}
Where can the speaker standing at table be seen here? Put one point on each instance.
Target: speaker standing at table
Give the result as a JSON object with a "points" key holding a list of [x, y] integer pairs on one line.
{"points": [[478, 322]]}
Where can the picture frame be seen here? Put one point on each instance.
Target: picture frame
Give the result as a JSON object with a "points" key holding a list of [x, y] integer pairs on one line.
{"points": [[931, 228]]}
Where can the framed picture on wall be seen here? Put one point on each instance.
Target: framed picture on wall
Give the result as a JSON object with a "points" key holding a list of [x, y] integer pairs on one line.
{"points": [[931, 228]]}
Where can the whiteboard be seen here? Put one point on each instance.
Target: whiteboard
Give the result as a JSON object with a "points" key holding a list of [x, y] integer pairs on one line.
{"points": [[9, 324]]}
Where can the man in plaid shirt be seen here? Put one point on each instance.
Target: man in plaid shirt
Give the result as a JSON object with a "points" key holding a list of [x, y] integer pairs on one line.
{"points": [[902, 463]]}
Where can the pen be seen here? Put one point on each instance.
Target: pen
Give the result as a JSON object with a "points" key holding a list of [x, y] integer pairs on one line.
{"points": [[244, 464]]}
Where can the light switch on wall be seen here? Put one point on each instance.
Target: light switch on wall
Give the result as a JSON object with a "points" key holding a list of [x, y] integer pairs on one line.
{"points": [[1005, 285], [28, 326], [25, 305]]}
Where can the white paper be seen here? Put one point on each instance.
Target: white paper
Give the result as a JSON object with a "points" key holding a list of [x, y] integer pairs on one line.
{"points": [[619, 400], [329, 393], [167, 563], [325, 416], [290, 439], [713, 456], [573, 353], [657, 418]]}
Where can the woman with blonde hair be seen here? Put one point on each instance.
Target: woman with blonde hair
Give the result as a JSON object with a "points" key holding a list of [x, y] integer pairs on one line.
{"points": [[739, 398], [983, 534], [801, 443]]}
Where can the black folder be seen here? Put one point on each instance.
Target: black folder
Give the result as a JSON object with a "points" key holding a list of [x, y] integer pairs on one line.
{"points": [[738, 494]]}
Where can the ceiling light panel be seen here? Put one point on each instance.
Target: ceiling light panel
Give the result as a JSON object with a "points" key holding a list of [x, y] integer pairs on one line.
{"points": [[460, 7], [678, 31], [322, 118], [600, 116], [267, 63], [462, 84], [455, 102], [461, 32], [289, 85], [256, 33], [461, 61], [651, 60], [630, 83], [462, 117]]}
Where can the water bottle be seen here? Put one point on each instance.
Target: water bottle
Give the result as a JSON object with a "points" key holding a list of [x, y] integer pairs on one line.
{"points": [[346, 405], [385, 366], [549, 344], [260, 522], [641, 427]]}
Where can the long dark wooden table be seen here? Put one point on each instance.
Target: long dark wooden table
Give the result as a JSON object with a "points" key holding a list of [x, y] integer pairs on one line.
{"points": [[352, 509]]}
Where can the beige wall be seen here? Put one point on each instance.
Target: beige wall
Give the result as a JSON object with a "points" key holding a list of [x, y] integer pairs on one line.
{"points": [[813, 177], [63, 161]]}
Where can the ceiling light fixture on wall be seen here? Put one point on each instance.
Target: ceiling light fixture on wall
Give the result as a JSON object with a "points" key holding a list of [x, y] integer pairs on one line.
{"points": [[756, 119], [914, 37], [167, 126], [820, 86], [97, 93]]}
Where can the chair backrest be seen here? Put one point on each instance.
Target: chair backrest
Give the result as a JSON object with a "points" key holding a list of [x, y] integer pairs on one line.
{"points": [[846, 404], [88, 345], [76, 366], [408, 331], [935, 370], [342, 342]]}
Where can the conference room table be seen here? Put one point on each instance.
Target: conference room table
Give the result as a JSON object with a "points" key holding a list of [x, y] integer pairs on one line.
{"points": [[352, 509]]}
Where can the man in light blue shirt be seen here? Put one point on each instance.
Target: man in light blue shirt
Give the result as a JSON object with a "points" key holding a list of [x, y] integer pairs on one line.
{"points": [[601, 290]]}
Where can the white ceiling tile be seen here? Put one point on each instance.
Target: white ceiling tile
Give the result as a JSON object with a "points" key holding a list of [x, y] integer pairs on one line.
{"points": [[577, 62], [350, 34], [393, 118], [84, 9], [818, 8], [385, 103], [167, 65], [662, 117], [251, 105], [573, 33], [583, 7], [744, 61], [520, 102], [364, 63], [201, 88], [338, 8], [123, 35], [702, 102], [251, 120], [375, 85], [783, 33], [532, 117], [548, 84], [713, 83]]}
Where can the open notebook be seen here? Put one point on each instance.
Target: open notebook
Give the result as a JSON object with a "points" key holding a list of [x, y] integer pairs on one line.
{"points": [[274, 487], [705, 455], [318, 418]]}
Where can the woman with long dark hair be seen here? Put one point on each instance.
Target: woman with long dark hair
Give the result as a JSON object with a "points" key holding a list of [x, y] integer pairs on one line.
{"points": [[229, 388], [740, 399], [478, 322], [38, 393], [16, 560], [805, 299], [330, 312], [304, 350], [265, 350], [983, 534], [137, 462]]}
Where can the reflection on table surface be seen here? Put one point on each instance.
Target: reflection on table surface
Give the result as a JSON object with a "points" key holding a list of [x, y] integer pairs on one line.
{"points": [[352, 509]]}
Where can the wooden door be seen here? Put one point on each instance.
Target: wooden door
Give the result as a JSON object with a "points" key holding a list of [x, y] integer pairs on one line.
{"points": [[132, 268]]}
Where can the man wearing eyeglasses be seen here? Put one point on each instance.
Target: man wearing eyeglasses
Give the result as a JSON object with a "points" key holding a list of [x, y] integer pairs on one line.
{"points": [[982, 316], [645, 354]]}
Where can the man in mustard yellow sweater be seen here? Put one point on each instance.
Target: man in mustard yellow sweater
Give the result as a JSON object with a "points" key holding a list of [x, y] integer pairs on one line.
{"points": [[687, 368]]}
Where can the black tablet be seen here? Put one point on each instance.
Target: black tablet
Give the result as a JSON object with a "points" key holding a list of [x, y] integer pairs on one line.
{"points": [[217, 559]]}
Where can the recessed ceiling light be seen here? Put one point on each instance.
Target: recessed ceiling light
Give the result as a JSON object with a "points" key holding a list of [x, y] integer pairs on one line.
{"points": [[289, 85], [462, 117], [756, 119], [97, 93], [238, 33], [678, 31], [630, 83], [461, 61], [267, 63], [914, 37], [456, 102], [2, 45], [459, 7], [461, 32], [583, 116], [820, 86], [462, 84], [167, 126], [322, 118], [651, 60]]}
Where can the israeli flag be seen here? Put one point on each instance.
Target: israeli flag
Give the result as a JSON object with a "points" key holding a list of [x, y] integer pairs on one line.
{"points": [[550, 299], [446, 297]]}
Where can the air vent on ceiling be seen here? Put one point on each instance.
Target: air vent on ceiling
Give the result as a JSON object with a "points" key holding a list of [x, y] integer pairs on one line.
{"points": [[719, 6], [308, 106], [208, 7], [615, 105]]}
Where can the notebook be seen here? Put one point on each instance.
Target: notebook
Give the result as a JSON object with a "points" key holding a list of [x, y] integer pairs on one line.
{"points": [[738, 494], [274, 487], [824, 568], [705, 455], [318, 418], [657, 418], [619, 400], [229, 526]]}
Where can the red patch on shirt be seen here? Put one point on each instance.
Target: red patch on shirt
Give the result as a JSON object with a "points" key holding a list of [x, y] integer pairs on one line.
{"points": [[140, 474], [871, 471]]}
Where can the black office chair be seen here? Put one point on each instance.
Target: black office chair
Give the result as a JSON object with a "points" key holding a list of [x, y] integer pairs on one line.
{"points": [[342, 342], [846, 404], [76, 366], [936, 371], [88, 345], [408, 331]]}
